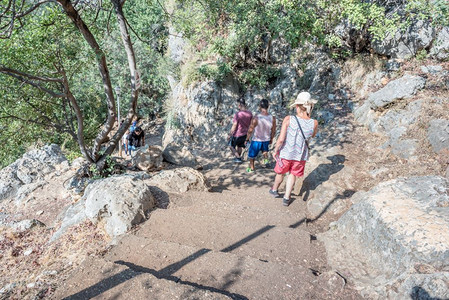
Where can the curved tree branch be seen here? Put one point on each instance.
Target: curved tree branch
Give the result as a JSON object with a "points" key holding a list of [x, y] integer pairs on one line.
{"points": [[73, 14], [118, 5]]}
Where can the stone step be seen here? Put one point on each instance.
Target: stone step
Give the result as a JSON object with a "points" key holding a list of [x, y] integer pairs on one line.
{"points": [[241, 277], [101, 279], [243, 237], [253, 206]]}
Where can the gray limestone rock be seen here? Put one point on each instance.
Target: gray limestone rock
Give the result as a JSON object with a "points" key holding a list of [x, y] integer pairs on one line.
{"points": [[9, 183], [401, 88], [179, 180], [119, 202], [390, 229], [26, 225], [148, 158], [404, 148], [33, 166], [405, 44], [438, 134], [73, 215], [440, 46], [176, 45], [180, 156], [432, 69]]}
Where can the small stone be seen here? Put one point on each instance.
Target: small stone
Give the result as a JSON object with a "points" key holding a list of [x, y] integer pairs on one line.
{"points": [[40, 212], [28, 252], [31, 285]]}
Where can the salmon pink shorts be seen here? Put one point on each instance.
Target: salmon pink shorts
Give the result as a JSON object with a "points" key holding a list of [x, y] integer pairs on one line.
{"points": [[295, 167]]}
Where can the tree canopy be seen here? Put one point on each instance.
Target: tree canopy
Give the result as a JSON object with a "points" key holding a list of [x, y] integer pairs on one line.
{"points": [[61, 59]]}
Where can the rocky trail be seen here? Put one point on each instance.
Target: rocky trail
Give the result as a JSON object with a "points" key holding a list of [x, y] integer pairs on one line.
{"points": [[236, 241]]}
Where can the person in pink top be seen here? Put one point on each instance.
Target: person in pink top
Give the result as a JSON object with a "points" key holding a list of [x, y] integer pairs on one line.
{"points": [[264, 127], [239, 130]]}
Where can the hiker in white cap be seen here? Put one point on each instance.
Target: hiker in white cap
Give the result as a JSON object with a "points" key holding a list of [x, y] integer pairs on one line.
{"points": [[292, 148]]}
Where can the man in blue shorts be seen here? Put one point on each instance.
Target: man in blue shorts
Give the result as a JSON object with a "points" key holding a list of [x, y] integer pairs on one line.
{"points": [[264, 127]]}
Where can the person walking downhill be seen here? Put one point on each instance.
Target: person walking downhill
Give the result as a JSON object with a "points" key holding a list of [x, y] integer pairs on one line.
{"points": [[240, 125], [264, 127], [292, 147]]}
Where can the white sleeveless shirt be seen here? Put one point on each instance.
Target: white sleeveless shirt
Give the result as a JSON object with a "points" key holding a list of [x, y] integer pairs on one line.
{"points": [[294, 147], [262, 132]]}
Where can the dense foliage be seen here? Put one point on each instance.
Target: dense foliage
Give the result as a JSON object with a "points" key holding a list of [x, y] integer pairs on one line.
{"points": [[237, 36], [46, 40], [227, 36]]}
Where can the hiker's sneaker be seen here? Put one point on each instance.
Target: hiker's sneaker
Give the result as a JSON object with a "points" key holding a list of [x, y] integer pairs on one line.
{"points": [[266, 161], [274, 193], [249, 170], [238, 160], [285, 202]]}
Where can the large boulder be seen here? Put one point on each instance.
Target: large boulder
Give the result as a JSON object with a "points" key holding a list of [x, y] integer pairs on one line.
{"points": [[179, 180], [32, 167], [401, 88], [148, 158], [117, 202], [389, 233], [180, 156]]}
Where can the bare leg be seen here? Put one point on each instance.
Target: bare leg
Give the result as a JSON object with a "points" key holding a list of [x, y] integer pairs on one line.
{"points": [[277, 181], [251, 163], [289, 186], [234, 152], [239, 151]]}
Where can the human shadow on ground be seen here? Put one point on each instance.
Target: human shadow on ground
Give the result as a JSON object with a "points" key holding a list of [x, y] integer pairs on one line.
{"points": [[167, 273], [321, 174], [418, 293], [344, 195]]}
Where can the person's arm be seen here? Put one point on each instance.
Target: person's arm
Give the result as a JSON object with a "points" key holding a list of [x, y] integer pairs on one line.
{"points": [[282, 136], [234, 126], [315, 128], [273, 130], [251, 128]]}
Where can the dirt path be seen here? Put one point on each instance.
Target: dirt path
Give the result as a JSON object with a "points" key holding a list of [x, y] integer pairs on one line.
{"points": [[236, 241]]}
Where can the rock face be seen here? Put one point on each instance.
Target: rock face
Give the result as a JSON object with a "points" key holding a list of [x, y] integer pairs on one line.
{"points": [[440, 47], [179, 180], [394, 239], [118, 202], [32, 167], [406, 44], [401, 88], [438, 135], [148, 158], [394, 122]]}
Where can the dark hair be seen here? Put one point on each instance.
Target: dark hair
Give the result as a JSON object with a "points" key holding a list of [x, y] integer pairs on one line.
{"points": [[138, 128], [264, 104], [241, 101]]}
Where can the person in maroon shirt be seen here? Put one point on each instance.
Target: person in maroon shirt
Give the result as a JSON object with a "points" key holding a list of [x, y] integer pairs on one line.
{"points": [[240, 124]]}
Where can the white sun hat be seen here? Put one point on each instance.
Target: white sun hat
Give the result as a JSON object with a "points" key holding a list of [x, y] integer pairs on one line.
{"points": [[306, 100]]}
